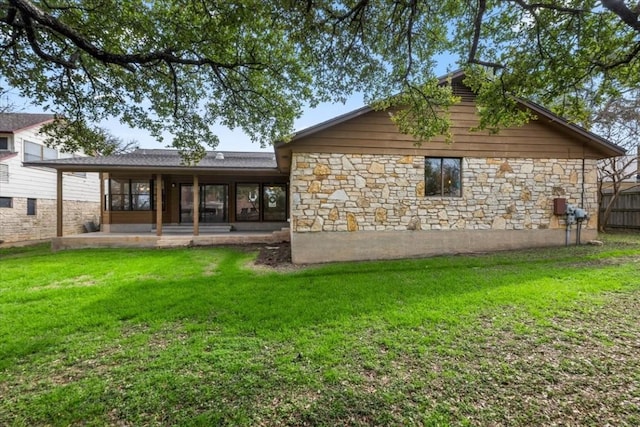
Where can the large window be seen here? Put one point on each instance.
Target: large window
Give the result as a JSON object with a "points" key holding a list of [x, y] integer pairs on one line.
{"points": [[443, 176], [248, 202], [213, 203], [33, 151], [131, 194], [256, 202], [275, 202]]}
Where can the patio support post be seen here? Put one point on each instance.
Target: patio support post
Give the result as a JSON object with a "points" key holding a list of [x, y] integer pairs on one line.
{"points": [[159, 204], [101, 179], [196, 206], [59, 224]]}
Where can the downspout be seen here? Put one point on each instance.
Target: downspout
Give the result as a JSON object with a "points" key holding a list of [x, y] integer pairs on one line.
{"points": [[583, 177], [638, 164], [579, 225]]}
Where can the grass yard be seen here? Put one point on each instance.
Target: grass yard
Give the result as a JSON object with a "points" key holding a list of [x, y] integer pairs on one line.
{"points": [[200, 337]]}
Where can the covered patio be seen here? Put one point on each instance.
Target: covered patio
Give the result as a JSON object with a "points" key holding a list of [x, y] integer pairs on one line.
{"points": [[150, 198]]}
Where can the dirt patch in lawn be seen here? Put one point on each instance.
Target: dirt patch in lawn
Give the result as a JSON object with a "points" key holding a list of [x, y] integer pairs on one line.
{"points": [[277, 255], [271, 257]]}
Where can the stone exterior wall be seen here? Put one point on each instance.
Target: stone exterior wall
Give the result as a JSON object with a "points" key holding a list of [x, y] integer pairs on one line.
{"points": [[352, 192], [17, 226]]}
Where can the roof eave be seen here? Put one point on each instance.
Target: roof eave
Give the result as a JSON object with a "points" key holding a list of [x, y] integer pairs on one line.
{"points": [[24, 128], [33, 125], [325, 125], [353, 114], [66, 167], [607, 147]]}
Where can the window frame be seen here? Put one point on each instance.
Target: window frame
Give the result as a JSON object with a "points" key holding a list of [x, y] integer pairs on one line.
{"points": [[246, 214], [442, 192], [41, 155], [4, 204], [8, 140], [268, 199], [32, 207], [130, 199]]}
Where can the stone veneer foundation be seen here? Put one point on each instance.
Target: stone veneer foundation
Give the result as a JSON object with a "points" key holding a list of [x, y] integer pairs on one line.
{"points": [[17, 226], [342, 205]]}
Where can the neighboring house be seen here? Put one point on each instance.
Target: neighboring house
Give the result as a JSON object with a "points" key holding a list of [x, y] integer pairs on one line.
{"points": [[28, 195], [354, 188]]}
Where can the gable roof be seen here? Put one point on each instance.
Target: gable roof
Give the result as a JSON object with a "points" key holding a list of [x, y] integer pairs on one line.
{"points": [[164, 160], [594, 141], [14, 122]]}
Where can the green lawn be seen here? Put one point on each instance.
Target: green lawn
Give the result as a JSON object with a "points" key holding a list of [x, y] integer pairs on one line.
{"points": [[199, 337]]}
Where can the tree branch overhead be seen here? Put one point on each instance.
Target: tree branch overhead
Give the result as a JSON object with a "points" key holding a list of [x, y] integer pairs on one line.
{"points": [[255, 65]]}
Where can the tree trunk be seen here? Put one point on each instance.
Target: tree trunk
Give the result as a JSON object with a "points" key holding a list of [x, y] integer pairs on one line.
{"points": [[604, 218]]}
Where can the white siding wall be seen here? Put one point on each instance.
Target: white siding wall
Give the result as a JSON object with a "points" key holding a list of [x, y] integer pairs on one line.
{"points": [[81, 195], [40, 183]]}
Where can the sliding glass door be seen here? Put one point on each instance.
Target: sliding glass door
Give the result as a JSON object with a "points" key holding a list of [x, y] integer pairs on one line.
{"points": [[213, 203]]}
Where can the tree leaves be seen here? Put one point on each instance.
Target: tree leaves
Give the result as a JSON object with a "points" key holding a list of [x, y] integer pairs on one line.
{"points": [[180, 67]]}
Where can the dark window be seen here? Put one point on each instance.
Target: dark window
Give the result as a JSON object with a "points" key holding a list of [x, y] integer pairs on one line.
{"points": [[261, 202], [443, 177], [213, 205], [6, 202], [275, 202], [31, 206], [248, 202], [4, 143], [130, 194]]}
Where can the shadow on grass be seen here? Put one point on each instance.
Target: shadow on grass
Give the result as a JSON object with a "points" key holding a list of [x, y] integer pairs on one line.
{"points": [[132, 346], [239, 301]]}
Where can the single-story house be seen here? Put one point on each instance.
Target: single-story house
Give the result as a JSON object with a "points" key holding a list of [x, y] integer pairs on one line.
{"points": [[354, 188]]}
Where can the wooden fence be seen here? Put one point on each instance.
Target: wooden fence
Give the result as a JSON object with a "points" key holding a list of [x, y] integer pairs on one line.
{"points": [[626, 210]]}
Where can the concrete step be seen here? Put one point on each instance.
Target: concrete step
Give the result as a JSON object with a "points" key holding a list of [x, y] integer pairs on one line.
{"points": [[174, 242], [282, 235], [188, 229]]}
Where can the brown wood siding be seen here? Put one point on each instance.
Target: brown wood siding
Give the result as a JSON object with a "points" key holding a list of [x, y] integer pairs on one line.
{"points": [[132, 217], [374, 132]]}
